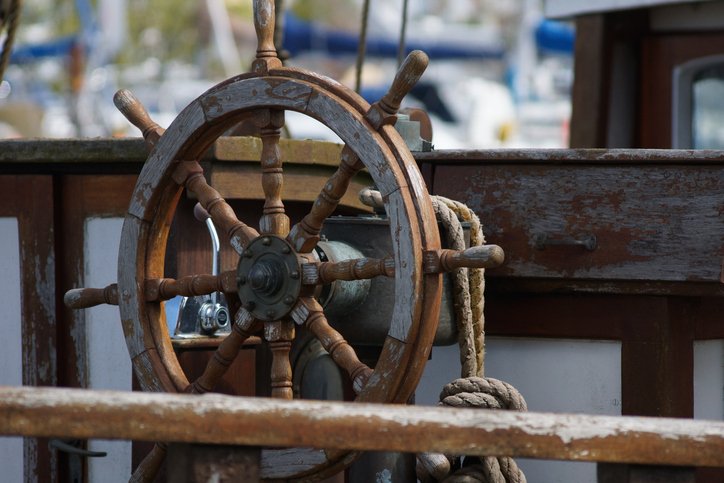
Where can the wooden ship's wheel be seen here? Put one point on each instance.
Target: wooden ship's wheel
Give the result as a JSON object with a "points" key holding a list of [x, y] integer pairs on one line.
{"points": [[272, 289]]}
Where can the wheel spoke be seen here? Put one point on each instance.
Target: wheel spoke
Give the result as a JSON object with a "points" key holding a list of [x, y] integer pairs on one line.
{"points": [[190, 175], [309, 313], [279, 334], [245, 326], [321, 273], [148, 469], [434, 261], [83, 298], [274, 221], [158, 289], [305, 234], [442, 261]]}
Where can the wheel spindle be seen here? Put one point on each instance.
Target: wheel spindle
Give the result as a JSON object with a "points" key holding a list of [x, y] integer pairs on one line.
{"points": [[137, 115], [274, 221], [83, 298], [190, 175], [279, 334], [266, 52], [434, 261], [309, 313], [245, 325], [384, 111]]}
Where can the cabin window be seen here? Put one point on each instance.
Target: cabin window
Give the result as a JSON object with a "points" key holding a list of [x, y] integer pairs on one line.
{"points": [[699, 104]]}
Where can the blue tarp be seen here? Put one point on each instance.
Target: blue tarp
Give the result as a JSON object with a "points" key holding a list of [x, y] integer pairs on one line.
{"points": [[301, 36], [553, 36], [24, 54]]}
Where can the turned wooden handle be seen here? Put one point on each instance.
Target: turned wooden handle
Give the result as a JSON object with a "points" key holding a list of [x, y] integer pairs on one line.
{"points": [[137, 115], [151, 464], [264, 25], [407, 76], [83, 298], [486, 256], [436, 464]]}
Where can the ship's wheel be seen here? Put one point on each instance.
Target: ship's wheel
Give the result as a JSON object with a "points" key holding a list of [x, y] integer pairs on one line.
{"points": [[277, 273]]}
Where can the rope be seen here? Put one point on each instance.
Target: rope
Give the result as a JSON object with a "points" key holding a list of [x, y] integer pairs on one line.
{"points": [[477, 392], [13, 20], [472, 390], [361, 47], [468, 284]]}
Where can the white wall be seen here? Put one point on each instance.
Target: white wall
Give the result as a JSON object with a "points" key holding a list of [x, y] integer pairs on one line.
{"points": [[709, 379], [109, 366], [11, 345], [571, 376]]}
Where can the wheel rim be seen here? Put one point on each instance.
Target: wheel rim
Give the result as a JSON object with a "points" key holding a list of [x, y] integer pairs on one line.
{"points": [[383, 153]]}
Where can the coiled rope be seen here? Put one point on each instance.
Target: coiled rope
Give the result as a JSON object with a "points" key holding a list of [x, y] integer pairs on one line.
{"points": [[472, 389]]}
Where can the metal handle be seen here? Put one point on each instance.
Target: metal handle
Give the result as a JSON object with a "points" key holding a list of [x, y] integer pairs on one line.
{"points": [[68, 446], [542, 240]]}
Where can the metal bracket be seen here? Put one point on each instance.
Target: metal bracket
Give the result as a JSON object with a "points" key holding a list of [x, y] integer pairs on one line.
{"points": [[542, 240], [69, 446]]}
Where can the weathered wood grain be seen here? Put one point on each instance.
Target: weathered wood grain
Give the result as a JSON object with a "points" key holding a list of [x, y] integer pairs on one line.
{"points": [[647, 224], [301, 183], [268, 422]]}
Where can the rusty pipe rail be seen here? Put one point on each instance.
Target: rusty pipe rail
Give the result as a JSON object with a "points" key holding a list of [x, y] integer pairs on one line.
{"points": [[53, 412]]}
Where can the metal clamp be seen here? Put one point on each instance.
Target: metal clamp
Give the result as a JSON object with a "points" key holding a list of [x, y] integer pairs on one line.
{"points": [[542, 240]]}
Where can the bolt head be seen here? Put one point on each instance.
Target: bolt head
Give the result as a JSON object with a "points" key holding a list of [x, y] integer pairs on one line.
{"points": [[241, 280], [270, 314], [286, 250], [294, 274], [266, 241], [289, 300], [248, 254], [249, 305]]}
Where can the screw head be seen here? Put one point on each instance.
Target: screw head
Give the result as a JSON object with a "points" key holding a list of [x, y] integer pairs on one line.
{"points": [[294, 274], [248, 254], [286, 250], [266, 241], [249, 305], [289, 300], [270, 314], [240, 280]]}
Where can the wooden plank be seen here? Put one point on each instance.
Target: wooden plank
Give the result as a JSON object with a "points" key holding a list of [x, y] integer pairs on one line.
{"points": [[651, 223], [589, 95], [37, 268], [301, 183], [293, 151], [579, 157], [56, 151], [222, 419], [657, 360]]}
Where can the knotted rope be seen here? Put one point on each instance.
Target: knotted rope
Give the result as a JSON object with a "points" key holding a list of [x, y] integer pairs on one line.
{"points": [[472, 390]]}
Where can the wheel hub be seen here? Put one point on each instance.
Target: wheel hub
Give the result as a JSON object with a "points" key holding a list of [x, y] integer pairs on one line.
{"points": [[268, 277]]}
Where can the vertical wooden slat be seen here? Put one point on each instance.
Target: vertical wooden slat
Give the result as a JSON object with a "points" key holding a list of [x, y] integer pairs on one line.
{"points": [[37, 268], [657, 362], [589, 117]]}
